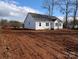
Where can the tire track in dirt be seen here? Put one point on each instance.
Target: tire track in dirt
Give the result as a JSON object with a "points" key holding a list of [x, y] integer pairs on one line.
{"points": [[43, 47], [32, 52], [37, 49], [31, 45], [19, 51], [40, 39], [1, 46], [58, 40], [64, 40]]}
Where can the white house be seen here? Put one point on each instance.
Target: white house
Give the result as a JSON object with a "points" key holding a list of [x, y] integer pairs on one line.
{"points": [[40, 22]]}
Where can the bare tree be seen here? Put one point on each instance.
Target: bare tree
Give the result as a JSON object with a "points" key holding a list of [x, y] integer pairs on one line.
{"points": [[75, 11], [49, 5], [65, 9], [68, 8], [62, 4], [67, 3]]}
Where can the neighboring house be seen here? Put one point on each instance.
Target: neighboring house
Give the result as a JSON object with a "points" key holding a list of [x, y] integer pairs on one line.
{"points": [[39, 22], [70, 26]]}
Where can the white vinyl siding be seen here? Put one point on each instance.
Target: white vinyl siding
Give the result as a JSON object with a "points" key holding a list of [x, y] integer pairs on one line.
{"points": [[43, 25], [58, 25], [29, 22]]}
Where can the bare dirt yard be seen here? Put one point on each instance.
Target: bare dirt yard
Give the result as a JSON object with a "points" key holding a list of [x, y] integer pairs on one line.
{"points": [[31, 44]]}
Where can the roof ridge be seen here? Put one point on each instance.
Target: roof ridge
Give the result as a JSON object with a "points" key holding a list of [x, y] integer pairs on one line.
{"points": [[41, 14], [43, 17]]}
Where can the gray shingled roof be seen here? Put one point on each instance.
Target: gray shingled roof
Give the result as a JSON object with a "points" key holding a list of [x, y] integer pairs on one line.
{"points": [[40, 17]]}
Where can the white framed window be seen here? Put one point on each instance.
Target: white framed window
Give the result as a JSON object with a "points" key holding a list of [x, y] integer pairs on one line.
{"points": [[29, 23], [47, 24], [58, 24]]}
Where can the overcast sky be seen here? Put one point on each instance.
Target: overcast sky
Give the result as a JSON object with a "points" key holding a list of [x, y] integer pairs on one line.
{"points": [[18, 9]]}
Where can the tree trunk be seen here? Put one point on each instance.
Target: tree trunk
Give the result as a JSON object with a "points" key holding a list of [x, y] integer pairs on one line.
{"points": [[52, 7], [66, 14], [75, 12]]}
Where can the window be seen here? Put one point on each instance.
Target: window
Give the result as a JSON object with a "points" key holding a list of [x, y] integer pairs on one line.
{"points": [[57, 24], [29, 23], [47, 24], [39, 24]]}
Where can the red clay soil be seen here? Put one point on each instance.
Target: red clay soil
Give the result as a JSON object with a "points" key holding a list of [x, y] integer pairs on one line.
{"points": [[31, 44]]}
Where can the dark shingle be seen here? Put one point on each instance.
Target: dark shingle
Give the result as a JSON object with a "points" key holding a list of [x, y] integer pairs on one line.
{"points": [[40, 17]]}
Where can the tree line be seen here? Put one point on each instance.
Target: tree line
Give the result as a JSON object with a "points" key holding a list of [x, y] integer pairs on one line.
{"points": [[4, 23], [66, 7]]}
